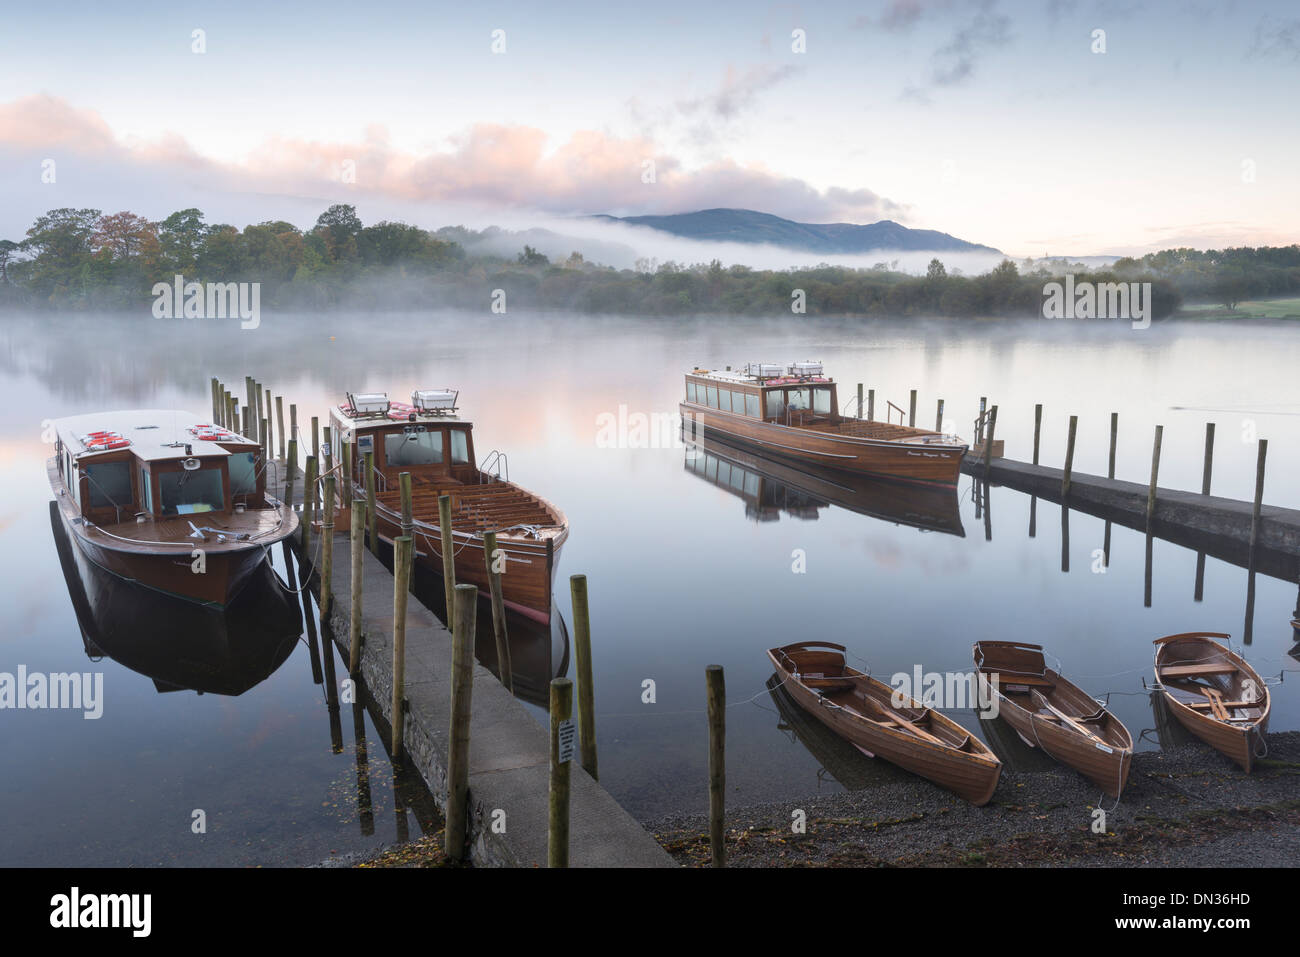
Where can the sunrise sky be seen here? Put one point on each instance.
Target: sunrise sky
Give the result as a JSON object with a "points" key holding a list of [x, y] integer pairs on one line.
{"points": [[993, 121]]}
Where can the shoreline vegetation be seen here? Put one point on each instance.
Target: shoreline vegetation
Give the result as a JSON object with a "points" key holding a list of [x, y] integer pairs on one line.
{"points": [[84, 260]]}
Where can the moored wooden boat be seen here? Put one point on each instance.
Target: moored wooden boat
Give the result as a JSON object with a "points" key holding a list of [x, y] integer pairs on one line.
{"points": [[427, 439], [1214, 694], [166, 500], [795, 413], [1053, 714], [858, 708]]}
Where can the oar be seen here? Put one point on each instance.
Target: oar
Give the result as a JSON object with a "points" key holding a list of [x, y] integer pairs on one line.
{"points": [[902, 721], [1041, 702]]}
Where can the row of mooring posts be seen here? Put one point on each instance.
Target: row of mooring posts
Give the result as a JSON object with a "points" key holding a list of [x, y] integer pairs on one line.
{"points": [[1151, 502], [867, 410], [462, 605]]}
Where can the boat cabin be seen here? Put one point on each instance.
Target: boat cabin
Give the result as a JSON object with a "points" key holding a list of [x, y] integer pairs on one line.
{"points": [[424, 437], [156, 464], [798, 395]]}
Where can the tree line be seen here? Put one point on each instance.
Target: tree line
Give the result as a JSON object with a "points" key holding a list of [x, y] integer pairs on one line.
{"points": [[85, 259]]}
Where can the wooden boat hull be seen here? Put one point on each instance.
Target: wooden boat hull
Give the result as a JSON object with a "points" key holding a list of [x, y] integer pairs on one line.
{"points": [[906, 462], [1105, 763], [972, 774], [1241, 740]]}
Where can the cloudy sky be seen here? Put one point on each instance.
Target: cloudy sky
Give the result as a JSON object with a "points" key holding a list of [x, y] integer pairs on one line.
{"points": [[998, 122]]}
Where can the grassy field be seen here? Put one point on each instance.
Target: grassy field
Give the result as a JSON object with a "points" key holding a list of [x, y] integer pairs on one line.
{"points": [[1252, 309]]}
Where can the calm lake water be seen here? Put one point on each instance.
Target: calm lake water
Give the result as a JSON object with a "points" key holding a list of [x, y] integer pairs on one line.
{"points": [[689, 552]]}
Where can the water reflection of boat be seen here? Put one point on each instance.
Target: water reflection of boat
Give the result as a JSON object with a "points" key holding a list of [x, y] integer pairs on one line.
{"points": [[178, 644], [771, 486], [1004, 741]]}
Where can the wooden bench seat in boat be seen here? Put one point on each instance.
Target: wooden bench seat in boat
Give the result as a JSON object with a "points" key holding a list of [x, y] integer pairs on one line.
{"points": [[1197, 671]]}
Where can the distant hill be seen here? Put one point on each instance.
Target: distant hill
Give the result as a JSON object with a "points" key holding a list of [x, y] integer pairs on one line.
{"points": [[749, 226]]}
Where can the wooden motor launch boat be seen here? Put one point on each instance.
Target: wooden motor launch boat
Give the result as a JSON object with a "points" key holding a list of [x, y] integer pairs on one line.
{"points": [[858, 708], [1051, 713], [794, 412], [1213, 693], [427, 439], [166, 500]]}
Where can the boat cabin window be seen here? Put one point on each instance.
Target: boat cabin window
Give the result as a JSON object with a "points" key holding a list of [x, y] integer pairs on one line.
{"points": [[690, 392], [109, 483], [243, 473], [146, 486], [775, 403], [751, 405], [414, 445], [459, 447], [816, 399], [188, 493], [711, 396], [724, 400]]}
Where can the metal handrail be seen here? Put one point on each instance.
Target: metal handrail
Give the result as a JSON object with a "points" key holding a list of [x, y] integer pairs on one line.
{"points": [[498, 459], [902, 416]]}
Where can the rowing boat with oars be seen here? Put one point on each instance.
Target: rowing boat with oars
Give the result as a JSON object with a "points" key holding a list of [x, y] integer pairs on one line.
{"points": [[427, 439], [1052, 713], [794, 412], [1214, 694], [859, 709]]}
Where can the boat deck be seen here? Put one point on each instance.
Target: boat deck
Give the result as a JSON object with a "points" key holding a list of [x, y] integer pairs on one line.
{"points": [[474, 508]]}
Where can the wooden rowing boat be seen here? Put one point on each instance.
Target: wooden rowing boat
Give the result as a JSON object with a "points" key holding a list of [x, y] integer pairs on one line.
{"points": [[1050, 712], [1214, 694], [794, 413], [429, 441], [858, 708]]}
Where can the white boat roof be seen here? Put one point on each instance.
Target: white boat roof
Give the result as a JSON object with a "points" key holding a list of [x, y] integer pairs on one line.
{"points": [[154, 434]]}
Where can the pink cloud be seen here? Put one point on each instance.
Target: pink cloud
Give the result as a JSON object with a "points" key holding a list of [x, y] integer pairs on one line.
{"points": [[487, 164]]}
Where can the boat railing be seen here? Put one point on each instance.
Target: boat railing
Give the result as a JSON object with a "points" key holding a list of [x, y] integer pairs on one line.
{"points": [[981, 422], [890, 409], [496, 464]]}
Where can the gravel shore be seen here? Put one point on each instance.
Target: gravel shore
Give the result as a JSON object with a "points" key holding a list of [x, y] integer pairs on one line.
{"points": [[1186, 807]]}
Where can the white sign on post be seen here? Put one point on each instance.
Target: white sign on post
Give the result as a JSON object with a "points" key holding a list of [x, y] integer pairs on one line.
{"points": [[568, 734]]}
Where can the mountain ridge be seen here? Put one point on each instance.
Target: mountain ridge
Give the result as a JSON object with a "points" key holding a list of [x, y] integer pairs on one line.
{"points": [[727, 224]]}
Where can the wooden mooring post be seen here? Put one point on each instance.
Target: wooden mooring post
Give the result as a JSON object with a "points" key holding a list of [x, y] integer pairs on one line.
{"points": [[1069, 456], [938, 417], [557, 840], [505, 668], [308, 506], [408, 520], [261, 413], [988, 442], [859, 400], [372, 516], [1038, 428], [447, 537], [871, 405], [717, 700], [1155, 473], [402, 553], [288, 473], [582, 651], [462, 689], [979, 422], [911, 411], [279, 423], [1114, 439], [327, 554], [358, 544]]}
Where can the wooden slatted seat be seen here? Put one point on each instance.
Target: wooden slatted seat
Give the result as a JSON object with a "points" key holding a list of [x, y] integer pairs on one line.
{"points": [[1198, 671]]}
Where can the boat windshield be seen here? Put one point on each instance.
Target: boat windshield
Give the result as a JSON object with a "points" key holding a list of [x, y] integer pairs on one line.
{"points": [[413, 446], [816, 398], [187, 493]]}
